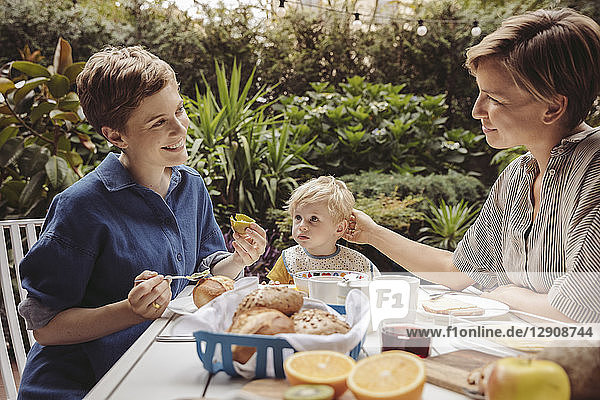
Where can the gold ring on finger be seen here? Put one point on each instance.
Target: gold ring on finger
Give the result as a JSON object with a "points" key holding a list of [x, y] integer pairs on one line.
{"points": [[156, 305]]}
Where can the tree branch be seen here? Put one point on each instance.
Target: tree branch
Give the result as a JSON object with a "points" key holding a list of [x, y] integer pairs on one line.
{"points": [[25, 124]]}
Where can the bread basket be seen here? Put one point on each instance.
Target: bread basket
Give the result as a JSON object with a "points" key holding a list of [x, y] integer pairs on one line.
{"points": [[209, 327], [206, 346]]}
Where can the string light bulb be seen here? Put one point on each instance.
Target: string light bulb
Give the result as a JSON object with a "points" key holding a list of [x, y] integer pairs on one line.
{"points": [[357, 23], [475, 30], [281, 9], [422, 29]]}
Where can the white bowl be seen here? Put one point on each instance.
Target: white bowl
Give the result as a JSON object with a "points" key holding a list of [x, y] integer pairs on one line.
{"points": [[301, 278], [324, 288]]}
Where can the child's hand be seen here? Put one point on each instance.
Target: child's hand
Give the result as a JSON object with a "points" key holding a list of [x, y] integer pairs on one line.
{"points": [[250, 245]]}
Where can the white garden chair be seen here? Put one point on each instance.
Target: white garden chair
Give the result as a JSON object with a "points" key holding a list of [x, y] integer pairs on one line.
{"points": [[16, 238]]}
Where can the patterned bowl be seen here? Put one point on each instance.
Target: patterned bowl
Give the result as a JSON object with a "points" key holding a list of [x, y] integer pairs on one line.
{"points": [[301, 278]]}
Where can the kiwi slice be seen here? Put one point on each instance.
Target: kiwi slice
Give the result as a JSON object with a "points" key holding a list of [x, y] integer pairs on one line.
{"points": [[240, 222], [309, 392]]}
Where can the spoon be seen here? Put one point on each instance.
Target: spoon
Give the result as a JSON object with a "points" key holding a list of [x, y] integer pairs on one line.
{"points": [[193, 277]]}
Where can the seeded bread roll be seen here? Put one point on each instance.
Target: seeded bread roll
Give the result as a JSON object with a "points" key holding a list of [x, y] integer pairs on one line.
{"points": [[318, 322], [284, 299], [208, 288], [259, 321]]}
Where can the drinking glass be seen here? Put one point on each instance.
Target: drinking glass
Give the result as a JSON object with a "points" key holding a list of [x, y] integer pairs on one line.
{"points": [[399, 335]]}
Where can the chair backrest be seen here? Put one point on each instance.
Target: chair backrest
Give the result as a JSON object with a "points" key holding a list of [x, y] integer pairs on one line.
{"points": [[16, 238]]}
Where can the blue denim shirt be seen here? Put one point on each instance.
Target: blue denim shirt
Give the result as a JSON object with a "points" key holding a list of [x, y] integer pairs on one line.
{"points": [[99, 234]]}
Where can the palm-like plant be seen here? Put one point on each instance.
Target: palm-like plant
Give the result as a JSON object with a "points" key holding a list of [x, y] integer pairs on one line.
{"points": [[281, 159], [244, 152], [448, 224]]}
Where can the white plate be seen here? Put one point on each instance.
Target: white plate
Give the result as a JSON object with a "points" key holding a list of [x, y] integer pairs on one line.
{"points": [[493, 308], [183, 305]]}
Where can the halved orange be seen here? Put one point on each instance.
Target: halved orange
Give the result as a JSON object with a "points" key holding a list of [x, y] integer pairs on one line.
{"points": [[391, 375], [320, 367]]}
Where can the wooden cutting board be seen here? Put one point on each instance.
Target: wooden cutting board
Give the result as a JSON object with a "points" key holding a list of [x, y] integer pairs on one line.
{"points": [[451, 370], [272, 389]]}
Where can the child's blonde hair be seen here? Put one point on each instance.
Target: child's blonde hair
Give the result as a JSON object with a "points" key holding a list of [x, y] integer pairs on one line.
{"points": [[340, 200]]}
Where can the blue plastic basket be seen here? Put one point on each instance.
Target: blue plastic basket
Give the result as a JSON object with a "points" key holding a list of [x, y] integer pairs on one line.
{"points": [[340, 308], [261, 342]]}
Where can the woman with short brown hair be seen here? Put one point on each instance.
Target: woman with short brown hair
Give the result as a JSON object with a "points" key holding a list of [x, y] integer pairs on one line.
{"points": [[140, 215], [536, 243]]}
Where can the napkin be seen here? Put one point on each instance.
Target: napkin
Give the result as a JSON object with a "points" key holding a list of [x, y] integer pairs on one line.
{"points": [[216, 316]]}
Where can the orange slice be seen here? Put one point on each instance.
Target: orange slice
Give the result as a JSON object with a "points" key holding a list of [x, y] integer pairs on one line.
{"points": [[319, 367], [240, 222], [392, 375]]}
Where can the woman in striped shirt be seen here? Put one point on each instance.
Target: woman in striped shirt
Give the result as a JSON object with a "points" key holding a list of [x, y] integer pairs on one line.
{"points": [[536, 243]]}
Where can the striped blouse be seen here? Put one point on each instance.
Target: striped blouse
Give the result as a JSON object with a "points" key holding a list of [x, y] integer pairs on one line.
{"points": [[559, 252]]}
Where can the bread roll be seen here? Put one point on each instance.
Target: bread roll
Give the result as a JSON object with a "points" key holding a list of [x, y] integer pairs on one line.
{"points": [[259, 321], [284, 299], [208, 288], [318, 322]]}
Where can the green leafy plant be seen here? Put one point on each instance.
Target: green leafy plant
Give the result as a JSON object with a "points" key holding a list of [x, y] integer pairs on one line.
{"points": [[504, 157], [360, 126], [448, 224], [248, 154], [451, 187], [594, 116], [392, 212], [45, 144]]}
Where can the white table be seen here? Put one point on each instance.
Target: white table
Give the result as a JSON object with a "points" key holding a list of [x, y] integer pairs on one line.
{"points": [[153, 369]]}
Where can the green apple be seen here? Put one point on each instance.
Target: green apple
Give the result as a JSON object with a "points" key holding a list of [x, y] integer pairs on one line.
{"points": [[524, 379]]}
